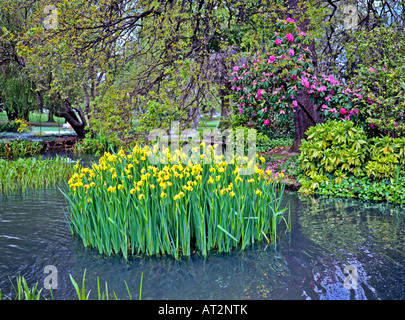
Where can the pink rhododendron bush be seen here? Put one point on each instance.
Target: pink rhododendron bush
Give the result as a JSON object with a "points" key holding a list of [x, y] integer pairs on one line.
{"points": [[266, 87]]}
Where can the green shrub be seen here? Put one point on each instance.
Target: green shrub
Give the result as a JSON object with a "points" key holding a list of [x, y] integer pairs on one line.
{"points": [[263, 142], [336, 148], [238, 120], [17, 125], [338, 160], [98, 145]]}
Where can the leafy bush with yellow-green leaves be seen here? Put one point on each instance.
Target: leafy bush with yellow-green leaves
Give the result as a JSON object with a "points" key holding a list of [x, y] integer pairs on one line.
{"points": [[335, 148], [339, 159]]}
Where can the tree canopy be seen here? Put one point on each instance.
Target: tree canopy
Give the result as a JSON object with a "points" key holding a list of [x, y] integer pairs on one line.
{"points": [[111, 64]]}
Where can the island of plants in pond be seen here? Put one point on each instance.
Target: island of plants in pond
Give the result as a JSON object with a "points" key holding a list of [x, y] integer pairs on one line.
{"points": [[130, 203]]}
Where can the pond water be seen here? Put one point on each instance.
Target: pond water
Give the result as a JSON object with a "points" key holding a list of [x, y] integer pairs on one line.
{"points": [[308, 263]]}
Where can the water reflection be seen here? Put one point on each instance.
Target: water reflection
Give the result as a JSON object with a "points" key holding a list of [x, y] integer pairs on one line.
{"points": [[367, 235], [327, 235]]}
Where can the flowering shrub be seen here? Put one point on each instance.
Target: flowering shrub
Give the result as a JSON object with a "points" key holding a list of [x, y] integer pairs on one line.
{"points": [[18, 125], [129, 204], [334, 100], [266, 87]]}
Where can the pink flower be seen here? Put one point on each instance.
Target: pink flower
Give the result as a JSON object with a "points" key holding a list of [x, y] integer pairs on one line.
{"points": [[266, 122], [342, 111], [291, 20], [291, 52], [324, 106], [355, 111], [371, 69], [282, 112], [305, 82], [240, 110], [260, 92], [278, 41], [271, 59], [295, 103], [290, 37]]}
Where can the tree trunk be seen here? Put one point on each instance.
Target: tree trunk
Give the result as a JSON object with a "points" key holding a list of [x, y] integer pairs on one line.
{"points": [[11, 115], [224, 103], [51, 114], [40, 101], [306, 114], [75, 117]]}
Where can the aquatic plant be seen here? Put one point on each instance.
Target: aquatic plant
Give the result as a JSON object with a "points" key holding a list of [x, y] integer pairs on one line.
{"points": [[23, 174], [19, 148], [160, 203], [23, 292]]}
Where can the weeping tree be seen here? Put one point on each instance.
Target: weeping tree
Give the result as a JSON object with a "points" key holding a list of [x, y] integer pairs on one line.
{"points": [[18, 95], [17, 89]]}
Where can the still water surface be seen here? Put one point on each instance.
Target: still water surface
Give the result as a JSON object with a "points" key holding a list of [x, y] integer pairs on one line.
{"points": [[327, 235]]}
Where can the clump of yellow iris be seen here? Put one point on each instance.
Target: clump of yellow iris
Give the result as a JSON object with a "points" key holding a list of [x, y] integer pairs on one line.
{"points": [[146, 181], [118, 169]]}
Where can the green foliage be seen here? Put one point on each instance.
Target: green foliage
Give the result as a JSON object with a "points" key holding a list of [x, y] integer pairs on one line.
{"points": [[377, 58], [99, 144], [19, 148], [263, 142], [367, 189], [271, 143], [23, 292], [339, 160], [17, 125], [334, 147], [23, 174], [9, 126], [238, 120], [384, 157]]}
